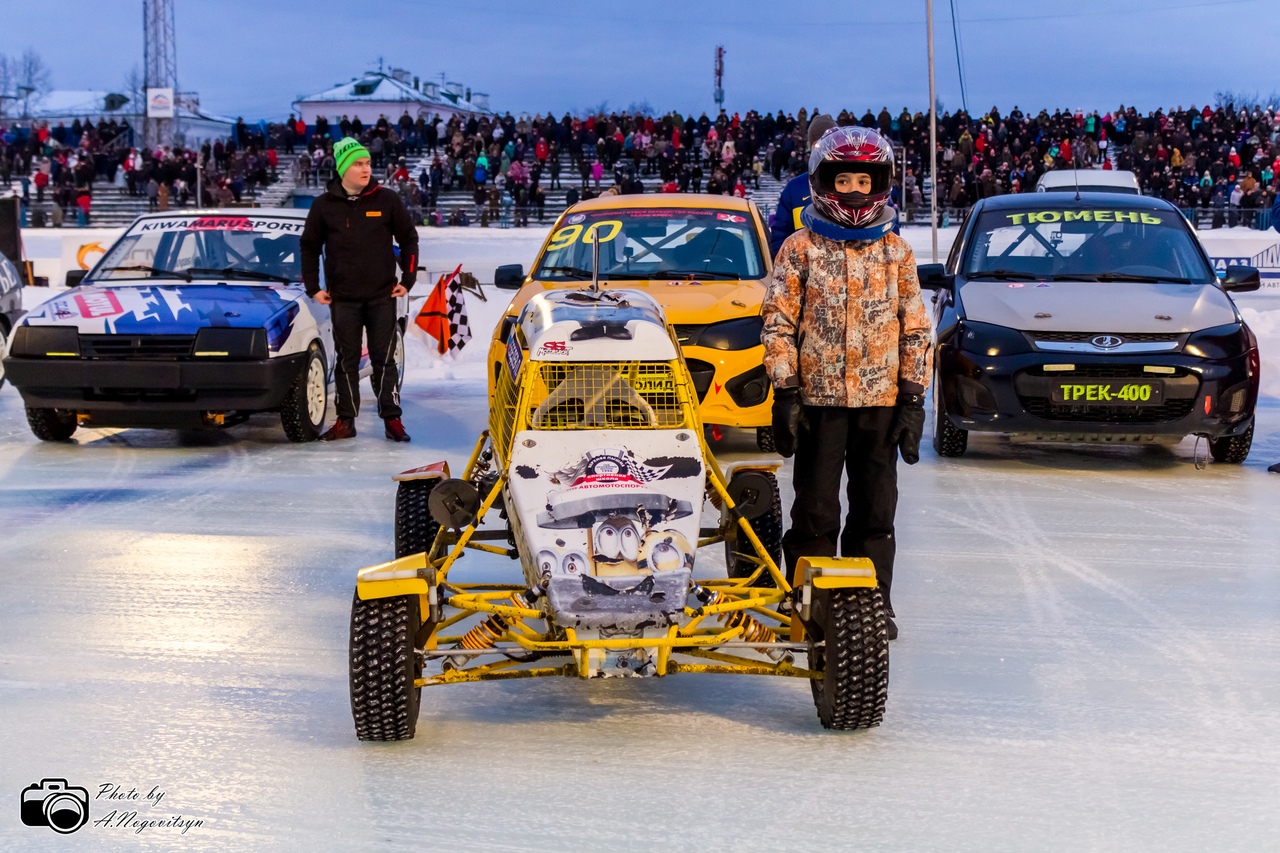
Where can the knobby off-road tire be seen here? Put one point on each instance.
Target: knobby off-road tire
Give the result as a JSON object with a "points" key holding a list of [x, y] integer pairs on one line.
{"points": [[1232, 450], [302, 413], [415, 528], [854, 659], [948, 440], [764, 440], [768, 528], [383, 666], [52, 424]]}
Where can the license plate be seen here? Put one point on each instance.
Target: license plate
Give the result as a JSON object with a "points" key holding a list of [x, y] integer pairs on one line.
{"points": [[1104, 392]]}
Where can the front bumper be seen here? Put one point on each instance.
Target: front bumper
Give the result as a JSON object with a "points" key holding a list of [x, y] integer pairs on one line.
{"points": [[732, 385], [1010, 394], [133, 392]]}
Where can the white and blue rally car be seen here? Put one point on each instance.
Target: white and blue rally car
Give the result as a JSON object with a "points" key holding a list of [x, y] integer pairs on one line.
{"points": [[190, 319]]}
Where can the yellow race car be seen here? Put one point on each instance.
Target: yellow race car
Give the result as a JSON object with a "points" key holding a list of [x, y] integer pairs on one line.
{"points": [[703, 258]]}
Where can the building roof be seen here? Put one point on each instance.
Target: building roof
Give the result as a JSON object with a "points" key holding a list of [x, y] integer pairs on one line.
{"points": [[376, 87], [62, 104]]}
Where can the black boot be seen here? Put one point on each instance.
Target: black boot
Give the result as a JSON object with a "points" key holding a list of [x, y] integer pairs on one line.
{"points": [[890, 627]]}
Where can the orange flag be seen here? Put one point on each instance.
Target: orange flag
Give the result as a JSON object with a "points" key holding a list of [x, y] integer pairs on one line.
{"points": [[434, 316]]}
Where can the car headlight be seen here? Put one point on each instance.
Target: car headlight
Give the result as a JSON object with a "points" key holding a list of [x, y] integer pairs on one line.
{"points": [[742, 333], [1227, 341], [991, 340], [231, 343], [41, 341]]}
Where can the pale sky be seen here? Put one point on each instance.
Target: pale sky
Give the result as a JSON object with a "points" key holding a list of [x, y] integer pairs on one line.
{"points": [[254, 58]]}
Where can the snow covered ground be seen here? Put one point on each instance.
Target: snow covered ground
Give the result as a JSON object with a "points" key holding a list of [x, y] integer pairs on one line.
{"points": [[1089, 660]]}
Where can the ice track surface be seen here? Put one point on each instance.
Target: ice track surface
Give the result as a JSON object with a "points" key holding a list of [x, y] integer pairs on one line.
{"points": [[1090, 660]]}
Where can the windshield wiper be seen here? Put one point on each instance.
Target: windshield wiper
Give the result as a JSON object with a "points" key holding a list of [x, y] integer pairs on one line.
{"points": [[998, 274], [1122, 276], [691, 274], [155, 271], [240, 272], [576, 272]]}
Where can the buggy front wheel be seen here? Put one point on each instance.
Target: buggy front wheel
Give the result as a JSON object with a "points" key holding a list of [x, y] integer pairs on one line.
{"points": [[853, 658], [383, 667]]}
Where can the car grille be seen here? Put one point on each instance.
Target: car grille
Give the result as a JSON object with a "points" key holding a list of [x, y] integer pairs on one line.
{"points": [[1087, 337], [137, 346], [1103, 371], [702, 373], [1171, 410], [688, 334]]}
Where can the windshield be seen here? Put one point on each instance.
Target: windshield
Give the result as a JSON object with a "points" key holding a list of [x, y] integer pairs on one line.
{"points": [[655, 243], [1094, 188], [1098, 244], [212, 247]]}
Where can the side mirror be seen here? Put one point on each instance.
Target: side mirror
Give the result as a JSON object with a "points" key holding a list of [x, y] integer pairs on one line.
{"points": [[509, 277], [1241, 279], [934, 277], [74, 277]]}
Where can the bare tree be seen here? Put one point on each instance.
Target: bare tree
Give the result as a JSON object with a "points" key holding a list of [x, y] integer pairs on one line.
{"points": [[33, 76], [7, 92], [133, 88]]}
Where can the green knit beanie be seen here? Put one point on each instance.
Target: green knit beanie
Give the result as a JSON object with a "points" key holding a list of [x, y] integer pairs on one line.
{"points": [[345, 152]]}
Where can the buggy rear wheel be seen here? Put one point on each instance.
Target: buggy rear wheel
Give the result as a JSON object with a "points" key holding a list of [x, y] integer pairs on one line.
{"points": [[768, 529], [383, 665], [764, 440], [853, 658], [415, 528]]}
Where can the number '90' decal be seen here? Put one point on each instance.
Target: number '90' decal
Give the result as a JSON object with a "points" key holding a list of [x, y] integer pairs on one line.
{"points": [[565, 237]]}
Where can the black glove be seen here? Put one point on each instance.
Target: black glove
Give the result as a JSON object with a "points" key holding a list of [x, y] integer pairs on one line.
{"points": [[908, 426], [786, 420]]}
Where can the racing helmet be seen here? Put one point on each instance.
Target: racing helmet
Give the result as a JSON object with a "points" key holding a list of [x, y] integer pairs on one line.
{"points": [[850, 149]]}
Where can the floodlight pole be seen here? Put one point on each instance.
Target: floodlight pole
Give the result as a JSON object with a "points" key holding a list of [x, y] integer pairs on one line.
{"points": [[933, 134]]}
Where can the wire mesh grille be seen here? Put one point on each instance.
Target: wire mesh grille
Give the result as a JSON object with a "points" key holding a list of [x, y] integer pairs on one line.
{"points": [[616, 395], [502, 412]]}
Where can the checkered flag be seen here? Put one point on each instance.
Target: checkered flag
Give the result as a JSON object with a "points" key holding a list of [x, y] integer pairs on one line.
{"points": [[459, 326]]}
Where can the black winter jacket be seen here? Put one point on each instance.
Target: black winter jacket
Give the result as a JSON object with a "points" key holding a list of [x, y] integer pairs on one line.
{"points": [[355, 236]]}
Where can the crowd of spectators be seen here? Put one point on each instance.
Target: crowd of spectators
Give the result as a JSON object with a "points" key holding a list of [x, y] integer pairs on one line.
{"points": [[482, 169]]}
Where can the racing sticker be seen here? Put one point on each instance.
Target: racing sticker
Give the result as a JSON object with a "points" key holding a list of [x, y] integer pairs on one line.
{"points": [[553, 348], [221, 223], [515, 356], [1037, 217], [102, 303]]}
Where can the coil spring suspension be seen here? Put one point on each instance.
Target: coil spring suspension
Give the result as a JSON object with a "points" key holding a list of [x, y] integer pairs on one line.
{"points": [[753, 630], [487, 633]]}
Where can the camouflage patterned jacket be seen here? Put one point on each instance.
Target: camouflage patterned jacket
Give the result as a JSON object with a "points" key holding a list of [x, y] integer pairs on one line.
{"points": [[848, 318]]}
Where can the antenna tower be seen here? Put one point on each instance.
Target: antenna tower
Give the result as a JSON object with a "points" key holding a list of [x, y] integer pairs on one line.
{"points": [[718, 94], [160, 61]]}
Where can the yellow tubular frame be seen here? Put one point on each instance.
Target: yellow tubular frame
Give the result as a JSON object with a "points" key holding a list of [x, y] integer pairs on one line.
{"points": [[528, 632]]}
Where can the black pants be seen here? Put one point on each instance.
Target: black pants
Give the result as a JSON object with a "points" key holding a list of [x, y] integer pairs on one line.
{"points": [[833, 442], [377, 320]]}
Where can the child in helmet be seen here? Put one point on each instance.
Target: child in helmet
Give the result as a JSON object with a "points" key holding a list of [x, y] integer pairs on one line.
{"points": [[848, 347]]}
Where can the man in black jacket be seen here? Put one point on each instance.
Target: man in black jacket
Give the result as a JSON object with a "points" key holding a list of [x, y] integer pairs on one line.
{"points": [[354, 224]]}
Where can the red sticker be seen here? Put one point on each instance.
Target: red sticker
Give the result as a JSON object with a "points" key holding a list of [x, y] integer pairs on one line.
{"points": [[221, 223], [101, 304]]}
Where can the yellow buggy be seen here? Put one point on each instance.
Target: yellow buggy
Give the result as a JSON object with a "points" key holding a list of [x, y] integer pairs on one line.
{"points": [[595, 467]]}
